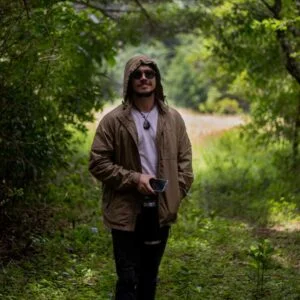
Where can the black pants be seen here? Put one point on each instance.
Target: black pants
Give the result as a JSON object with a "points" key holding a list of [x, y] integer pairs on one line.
{"points": [[137, 264]]}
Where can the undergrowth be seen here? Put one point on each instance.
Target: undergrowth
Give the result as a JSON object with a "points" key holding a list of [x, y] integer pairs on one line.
{"points": [[241, 179], [231, 241]]}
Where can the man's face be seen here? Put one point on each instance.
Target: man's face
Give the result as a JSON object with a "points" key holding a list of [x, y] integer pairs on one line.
{"points": [[143, 81]]}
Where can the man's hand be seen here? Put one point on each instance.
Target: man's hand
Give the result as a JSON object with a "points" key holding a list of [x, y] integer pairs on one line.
{"points": [[144, 185]]}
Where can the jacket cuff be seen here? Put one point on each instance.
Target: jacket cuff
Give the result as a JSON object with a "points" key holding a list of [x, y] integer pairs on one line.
{"points": [[136, 177]]}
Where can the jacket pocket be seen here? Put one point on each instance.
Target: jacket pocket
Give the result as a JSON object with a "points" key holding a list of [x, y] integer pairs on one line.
{"points": [[107, 198]]}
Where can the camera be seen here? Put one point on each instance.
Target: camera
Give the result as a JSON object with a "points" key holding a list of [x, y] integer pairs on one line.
{"points": [[158, 185]]}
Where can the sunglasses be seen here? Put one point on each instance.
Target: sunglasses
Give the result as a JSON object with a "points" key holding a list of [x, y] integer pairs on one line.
{"points": [[149, 74]]}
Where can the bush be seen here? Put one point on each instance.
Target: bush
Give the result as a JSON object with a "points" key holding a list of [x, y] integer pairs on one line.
{"points": [[241, 179], [52, 78], [224, 107], [228, 107]]}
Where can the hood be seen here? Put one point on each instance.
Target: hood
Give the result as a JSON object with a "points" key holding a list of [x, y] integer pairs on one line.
{"points": [[132, 64]]}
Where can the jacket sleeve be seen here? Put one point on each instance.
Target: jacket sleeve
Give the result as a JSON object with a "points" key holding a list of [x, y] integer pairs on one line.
{"points": [[185, 170], [102, 165]]}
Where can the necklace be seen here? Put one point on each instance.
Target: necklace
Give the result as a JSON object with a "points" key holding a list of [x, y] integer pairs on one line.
{"points": [[146, 124]]}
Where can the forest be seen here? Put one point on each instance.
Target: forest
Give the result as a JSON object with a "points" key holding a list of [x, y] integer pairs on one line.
{"points": [[61, 68]]}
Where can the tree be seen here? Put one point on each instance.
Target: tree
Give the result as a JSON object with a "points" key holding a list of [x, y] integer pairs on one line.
{"points": [[186, 83], [260, 40], [249, 52], [53, 60]]}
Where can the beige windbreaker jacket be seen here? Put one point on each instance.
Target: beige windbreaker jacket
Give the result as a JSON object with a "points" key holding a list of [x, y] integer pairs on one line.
{"points": [[115, 161]]}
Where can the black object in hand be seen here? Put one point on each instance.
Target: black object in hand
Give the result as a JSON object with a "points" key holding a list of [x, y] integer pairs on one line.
{"points": [[158, 185]]}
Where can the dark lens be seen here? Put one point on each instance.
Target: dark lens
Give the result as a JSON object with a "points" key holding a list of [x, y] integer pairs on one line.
{"points": [[149, 74], [137, 74]]}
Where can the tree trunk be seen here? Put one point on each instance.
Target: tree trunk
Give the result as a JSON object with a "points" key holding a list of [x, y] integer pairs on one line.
{"points": [[296, 136]]}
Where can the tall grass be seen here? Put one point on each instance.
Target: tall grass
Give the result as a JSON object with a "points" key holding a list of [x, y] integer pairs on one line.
{"points": [[237, 178]]}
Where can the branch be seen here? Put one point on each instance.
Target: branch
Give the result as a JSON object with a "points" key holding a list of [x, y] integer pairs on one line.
{"points": [[26, 8], [292, 65], [269, 7], [294, 30], [101, 9], [275, 9], [10, 27], [144, 11], [297, 2], [106, 11]]}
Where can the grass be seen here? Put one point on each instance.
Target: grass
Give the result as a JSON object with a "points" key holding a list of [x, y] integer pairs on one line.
{"points": [[209, 258], [236, 235], [239, 179]]}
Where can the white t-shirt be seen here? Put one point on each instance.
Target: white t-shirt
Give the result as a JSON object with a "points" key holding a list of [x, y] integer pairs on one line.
{"points": [[146, 139]]}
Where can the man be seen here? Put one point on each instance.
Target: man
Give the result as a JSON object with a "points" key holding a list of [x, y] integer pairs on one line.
{"points": [[141, 139]]}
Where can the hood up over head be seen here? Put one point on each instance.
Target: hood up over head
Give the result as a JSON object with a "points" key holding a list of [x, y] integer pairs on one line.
{"points": [[132, 64]]}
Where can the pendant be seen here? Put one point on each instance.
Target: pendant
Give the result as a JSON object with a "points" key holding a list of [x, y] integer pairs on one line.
{"points": [[146, 124]]}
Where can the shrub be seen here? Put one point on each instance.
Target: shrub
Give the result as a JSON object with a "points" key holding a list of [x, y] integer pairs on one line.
{"points": [[239, 178]]}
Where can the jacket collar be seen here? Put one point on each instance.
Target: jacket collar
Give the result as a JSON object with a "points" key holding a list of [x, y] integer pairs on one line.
{"points": [[126, 119], [128, 122]]}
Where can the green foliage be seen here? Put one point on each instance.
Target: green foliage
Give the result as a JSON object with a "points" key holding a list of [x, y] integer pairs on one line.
{"points": [[246, 51], [258, 40], [261, 256], [77, 193], [224, 107], [205, 259], [228, 107], [283, 209], [207, 256], [69, 199], [184, 81], [77, 265], [52, 75], [241, 179], [53, 59]]}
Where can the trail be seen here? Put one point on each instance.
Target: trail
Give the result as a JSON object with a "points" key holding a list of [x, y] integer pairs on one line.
{"points": [[200, 126]]}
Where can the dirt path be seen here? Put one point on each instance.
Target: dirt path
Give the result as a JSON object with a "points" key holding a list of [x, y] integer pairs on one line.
{"points": [[200, 126]]}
